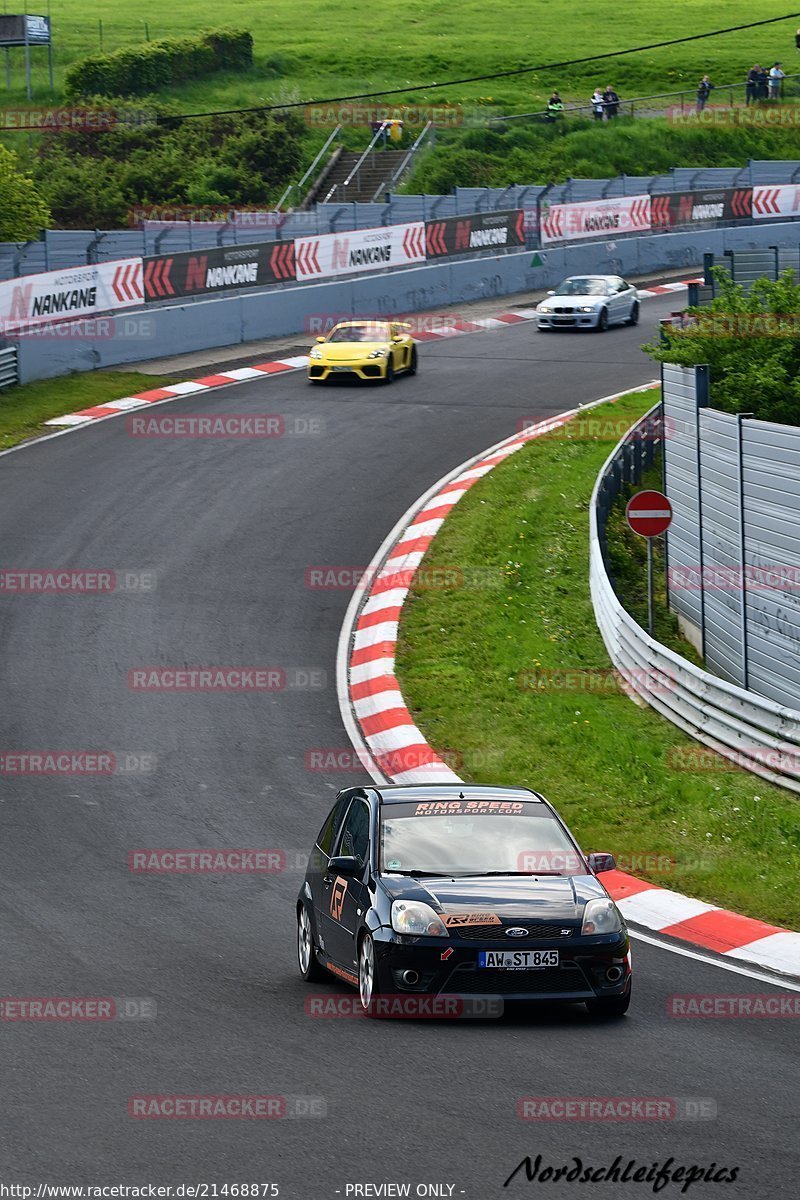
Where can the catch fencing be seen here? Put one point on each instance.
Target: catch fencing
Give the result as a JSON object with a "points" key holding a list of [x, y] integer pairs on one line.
{"points": [[754, 731]]}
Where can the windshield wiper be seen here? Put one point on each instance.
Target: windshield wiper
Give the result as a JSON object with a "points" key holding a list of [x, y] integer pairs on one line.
{"points": [[482, 874], [422, 874]]}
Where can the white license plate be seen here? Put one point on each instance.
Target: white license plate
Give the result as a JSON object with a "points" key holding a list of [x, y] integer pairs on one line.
{"points": [[341, 368], [517, 960]]}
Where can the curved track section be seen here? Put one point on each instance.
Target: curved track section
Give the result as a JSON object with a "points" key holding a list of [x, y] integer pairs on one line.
{"points": [[230, 529]]}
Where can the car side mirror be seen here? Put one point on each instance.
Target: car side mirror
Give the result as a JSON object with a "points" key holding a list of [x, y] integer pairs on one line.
{"points": [[396, 337], [345, 864], [321, 339], [601, 862]]}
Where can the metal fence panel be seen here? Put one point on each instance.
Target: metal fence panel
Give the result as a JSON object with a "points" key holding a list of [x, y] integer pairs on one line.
{"points": [[8, 366], [684, 552]]}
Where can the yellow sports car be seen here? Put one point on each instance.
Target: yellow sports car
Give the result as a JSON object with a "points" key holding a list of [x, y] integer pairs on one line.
{"points": [[363, 350]]}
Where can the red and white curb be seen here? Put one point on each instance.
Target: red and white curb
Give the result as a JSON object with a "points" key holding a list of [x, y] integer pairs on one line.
{"points": [[280, 366], [394, 750]]}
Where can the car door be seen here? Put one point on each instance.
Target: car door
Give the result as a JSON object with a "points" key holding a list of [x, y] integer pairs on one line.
{"points": [[318, 865], [344, 898], [621, 300]]}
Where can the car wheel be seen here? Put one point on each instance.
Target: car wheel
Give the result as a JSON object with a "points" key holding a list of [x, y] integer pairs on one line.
{"points": [[602, 321], [367, 982], [310, 969], [389, 376], [610, 1007], [633, 319], [412, 366]]}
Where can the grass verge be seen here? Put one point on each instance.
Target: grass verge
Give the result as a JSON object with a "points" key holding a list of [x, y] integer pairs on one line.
{"points": [[24, 410], [520, 536]]}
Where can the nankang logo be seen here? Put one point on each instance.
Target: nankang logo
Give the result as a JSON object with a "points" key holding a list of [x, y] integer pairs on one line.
{"points": [[517, 931]]}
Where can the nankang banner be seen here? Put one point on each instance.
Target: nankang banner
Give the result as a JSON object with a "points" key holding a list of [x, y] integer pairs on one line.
{"points": [[221, 269], [594, 219], [77, 292], [360, 250], [478, 231], [669, 209]]}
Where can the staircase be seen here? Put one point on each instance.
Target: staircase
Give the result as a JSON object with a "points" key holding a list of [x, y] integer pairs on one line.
{"points": [[373, 176]]}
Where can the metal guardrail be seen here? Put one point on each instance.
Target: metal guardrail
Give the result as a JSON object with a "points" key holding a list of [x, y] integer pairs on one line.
{"points": [[755, 733], [687, 99], [8, 366]]}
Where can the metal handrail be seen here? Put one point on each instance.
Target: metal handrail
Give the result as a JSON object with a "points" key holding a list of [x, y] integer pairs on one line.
{"points": [[398, 174], [578, 108], [297, 186], [345, 182]]}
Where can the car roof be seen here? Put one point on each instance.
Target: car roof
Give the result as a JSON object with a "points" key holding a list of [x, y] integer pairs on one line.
{"points": [[372, 321], [405, 792]]}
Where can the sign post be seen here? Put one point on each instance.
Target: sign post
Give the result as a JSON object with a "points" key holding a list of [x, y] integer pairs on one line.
{"points": [[649, 514]]}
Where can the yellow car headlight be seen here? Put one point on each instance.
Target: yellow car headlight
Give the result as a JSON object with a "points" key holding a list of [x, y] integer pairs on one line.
{"points": [[315, 353], [377, 354]]}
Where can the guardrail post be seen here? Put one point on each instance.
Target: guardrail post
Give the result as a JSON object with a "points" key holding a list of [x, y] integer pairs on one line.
{"points": [[740, 417], [702, 396]]}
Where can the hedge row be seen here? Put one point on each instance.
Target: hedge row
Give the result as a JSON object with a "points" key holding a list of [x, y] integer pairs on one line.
{"points": [[157, 65]]}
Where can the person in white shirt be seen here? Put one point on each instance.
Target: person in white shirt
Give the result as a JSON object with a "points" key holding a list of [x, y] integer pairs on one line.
{"points": [[598, 105], [775, 77]]}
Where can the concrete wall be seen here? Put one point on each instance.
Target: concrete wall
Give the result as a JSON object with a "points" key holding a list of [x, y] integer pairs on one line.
{"points": [[158, 332]]}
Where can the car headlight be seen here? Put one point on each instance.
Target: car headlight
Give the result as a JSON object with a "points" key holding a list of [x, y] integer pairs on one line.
{"points": [[545, 308], [377, 354], [588, 308], [315, 353], [418, 919], [602, 916]]}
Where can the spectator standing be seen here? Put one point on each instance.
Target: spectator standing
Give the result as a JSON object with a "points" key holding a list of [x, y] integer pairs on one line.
{"points": [[611, 102], [555, 107], [703, 91], [763, 83], [776, 75], [598, 105], [751, 84]]}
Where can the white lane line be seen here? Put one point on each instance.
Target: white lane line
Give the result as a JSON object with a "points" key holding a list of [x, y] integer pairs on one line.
{"points": [[786, 984]]}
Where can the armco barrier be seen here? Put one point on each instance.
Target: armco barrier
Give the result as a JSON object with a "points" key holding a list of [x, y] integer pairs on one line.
{"points": [[755, 733], [246, 316]]}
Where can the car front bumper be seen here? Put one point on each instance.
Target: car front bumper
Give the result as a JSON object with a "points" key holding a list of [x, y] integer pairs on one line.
{"points": [[448, 966], [568, 320], [322, 371]]}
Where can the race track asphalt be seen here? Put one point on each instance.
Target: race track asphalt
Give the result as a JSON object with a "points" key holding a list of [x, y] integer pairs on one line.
{"points": [[229, 528]]}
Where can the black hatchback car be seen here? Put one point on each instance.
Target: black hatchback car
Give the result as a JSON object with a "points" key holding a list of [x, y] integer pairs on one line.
{"points": [[457, 890]]}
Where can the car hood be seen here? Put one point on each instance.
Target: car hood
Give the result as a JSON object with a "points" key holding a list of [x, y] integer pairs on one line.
{"points": [[345, 351], [575, 301], [510, 897]]}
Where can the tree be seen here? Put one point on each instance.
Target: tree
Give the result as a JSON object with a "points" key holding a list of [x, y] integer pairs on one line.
{"points": [[750, 340], [23, 213]]}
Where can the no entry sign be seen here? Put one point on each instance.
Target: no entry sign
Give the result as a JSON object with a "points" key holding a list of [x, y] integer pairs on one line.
{"points": [[649, 513]]}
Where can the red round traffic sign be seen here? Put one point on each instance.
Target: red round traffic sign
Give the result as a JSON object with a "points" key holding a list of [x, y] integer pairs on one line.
{"points": [[648, 513]]}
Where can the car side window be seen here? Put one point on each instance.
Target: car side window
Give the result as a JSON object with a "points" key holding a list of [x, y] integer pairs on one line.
{"points": [[354, 838], [331, 827]]}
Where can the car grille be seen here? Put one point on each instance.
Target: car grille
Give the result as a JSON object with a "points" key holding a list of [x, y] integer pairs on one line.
{"points": [[472, 981], [564, 310], [497, 933]]}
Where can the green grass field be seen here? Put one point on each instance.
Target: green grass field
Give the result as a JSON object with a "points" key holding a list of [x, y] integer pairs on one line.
{"points": [[521, 533], [331, 48]]}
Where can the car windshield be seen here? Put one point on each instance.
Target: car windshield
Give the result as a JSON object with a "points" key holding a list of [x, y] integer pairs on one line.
{"points": [[499, 839], [583, 286], [359, 333]]}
